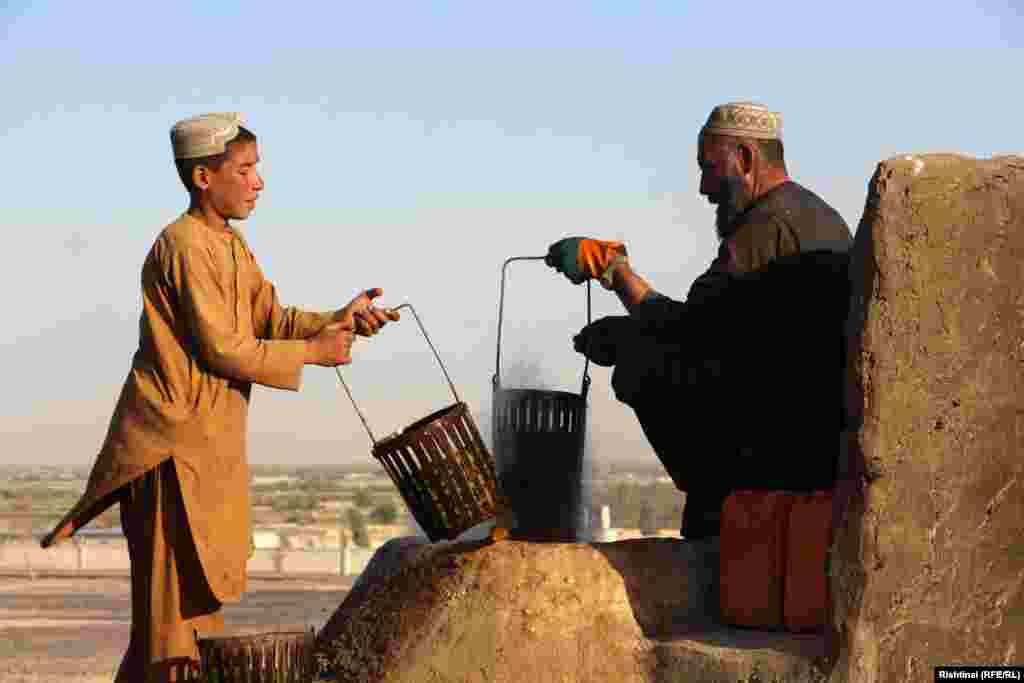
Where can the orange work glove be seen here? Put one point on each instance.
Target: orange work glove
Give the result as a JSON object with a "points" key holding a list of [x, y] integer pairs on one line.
{"points": [[597, 257], [583, 258]]}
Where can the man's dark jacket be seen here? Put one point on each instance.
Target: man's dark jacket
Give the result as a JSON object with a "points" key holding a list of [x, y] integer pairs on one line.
{"points": [[740, 386]]}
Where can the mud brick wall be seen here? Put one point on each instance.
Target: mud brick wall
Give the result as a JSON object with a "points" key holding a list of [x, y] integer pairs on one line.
{"points": [[928, 565]]}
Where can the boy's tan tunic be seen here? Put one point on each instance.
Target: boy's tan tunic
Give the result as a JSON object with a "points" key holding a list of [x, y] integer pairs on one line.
{"points": [[211, 326]]}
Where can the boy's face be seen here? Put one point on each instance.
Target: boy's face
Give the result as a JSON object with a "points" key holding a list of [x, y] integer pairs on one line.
{"points": [[234, 188]]}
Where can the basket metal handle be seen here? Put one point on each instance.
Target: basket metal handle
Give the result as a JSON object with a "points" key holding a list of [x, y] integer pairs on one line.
{"points": [[337, 369], [496, 380]]}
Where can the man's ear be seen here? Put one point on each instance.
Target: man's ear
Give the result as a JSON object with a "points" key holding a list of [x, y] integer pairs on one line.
{"points": [[747, 157], [201, 177]]}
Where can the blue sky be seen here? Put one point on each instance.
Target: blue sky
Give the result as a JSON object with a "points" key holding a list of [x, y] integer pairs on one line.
{"points": [[415, 146]]}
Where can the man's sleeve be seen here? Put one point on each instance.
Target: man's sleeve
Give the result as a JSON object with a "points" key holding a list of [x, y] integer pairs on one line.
{"points": [[211, 316], [286, 322], [666, 318], [659, 316]]}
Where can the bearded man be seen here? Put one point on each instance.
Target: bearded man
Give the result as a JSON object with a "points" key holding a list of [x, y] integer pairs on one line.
{"points": [[174, 456], [709, 377]]}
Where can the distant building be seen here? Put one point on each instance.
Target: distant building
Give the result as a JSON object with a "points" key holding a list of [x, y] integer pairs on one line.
{"points": [[379, 534], [601, 528], [266, 539], [334, 536], [101, 536], [302, 539], [272, 480]]}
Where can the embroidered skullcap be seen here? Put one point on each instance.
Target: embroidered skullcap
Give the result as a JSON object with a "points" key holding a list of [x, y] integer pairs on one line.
{"points": [[204, 135], [746, 120]]}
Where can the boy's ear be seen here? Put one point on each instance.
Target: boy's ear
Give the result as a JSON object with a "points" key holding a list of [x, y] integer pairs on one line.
{"points": [[201, 177]]}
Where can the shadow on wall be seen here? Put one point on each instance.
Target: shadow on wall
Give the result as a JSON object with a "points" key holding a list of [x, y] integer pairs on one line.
{"points": [[853, 472], [668, 603]]}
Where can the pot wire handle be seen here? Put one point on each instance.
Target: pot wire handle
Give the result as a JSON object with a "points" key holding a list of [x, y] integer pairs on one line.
{"points": [[451, 385], [496, 380]]}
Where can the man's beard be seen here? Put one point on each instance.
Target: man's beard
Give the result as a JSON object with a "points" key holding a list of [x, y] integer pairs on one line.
{"points": [[732, 200]]}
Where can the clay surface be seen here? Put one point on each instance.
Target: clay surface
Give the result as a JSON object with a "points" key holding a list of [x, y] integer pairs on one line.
{"points": [[641, 610]]}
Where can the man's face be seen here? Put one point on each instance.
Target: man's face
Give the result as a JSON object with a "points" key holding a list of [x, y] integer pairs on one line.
{"points": [[235, 186], [721, 181]]}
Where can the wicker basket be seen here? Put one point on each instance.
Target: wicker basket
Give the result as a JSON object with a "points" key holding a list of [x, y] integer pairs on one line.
{"points": [[273, 657], [444, 472], [440, 465]]}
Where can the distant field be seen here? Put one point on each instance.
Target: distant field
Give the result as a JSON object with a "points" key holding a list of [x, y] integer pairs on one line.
{"points": [[33, 498]]}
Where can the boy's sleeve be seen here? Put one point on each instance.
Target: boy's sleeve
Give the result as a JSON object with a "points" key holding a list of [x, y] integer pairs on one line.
{"points": [[286, 322], [210, 311]]}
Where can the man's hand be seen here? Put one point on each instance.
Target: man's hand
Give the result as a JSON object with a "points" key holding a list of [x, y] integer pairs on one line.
{"points": [[563, 256], [583, 258], [366, 318], [332, 346], [602, 340]]}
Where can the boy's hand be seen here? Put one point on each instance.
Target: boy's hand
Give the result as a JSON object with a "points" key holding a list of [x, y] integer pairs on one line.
{"points": [[366, 318], [332, 346]]}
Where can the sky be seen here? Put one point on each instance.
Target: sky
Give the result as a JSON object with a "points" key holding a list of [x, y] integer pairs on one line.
{"points": [[415, 146]]}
